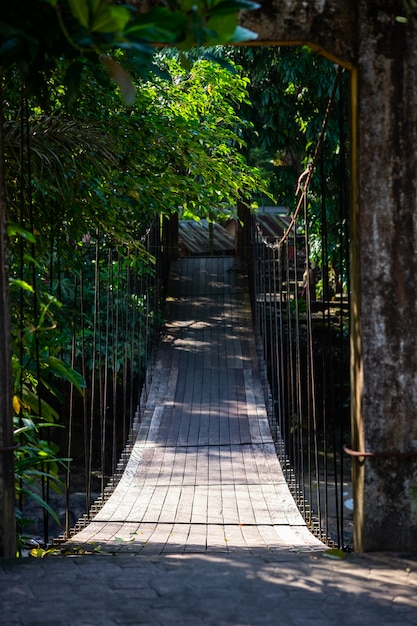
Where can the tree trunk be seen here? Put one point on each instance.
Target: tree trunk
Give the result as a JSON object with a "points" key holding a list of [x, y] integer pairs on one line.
{"points": [[385, 297], [328, 26]]}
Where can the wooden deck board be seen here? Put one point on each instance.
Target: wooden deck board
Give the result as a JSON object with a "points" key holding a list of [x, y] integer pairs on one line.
{"points": [[203, 474]]}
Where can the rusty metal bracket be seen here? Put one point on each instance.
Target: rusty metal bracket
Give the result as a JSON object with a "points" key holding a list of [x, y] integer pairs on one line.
{"points": [[381, 455]]}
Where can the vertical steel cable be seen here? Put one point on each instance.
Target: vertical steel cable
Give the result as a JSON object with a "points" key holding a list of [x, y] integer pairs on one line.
{"points": [[86, 416], [147, 297], [127, 340], [140, 334], [344, 255], [290, 387], [298, 386], [255, 280], [280, 341], [269, 334], [21, 260], [287, 346], [93, 392], [132, 305], [263, 301], [109, 307], [116, 309], [327, 353], [313, 454], [274, 341], [71, 415]]}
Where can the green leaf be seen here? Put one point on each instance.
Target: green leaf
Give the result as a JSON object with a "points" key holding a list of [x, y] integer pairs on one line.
{"points": [[79, 9], [110, 19], [30, 259], [34, 496], [32, 400], [334, 553], [159, 25], [188, 5], [94, 4], [224, 27], [60, 369], [243, 34], [22, 284], [14, 229]]}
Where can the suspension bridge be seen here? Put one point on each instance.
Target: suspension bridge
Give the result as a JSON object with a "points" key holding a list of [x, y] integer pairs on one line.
{"points": [[203, 473], [238, 437], [229, 429], [203, 502]]}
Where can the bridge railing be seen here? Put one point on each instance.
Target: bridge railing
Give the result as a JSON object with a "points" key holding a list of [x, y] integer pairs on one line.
{"points": [[112, 297], [302, 314]]}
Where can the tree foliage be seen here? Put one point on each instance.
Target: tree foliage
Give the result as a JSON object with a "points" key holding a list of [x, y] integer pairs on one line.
{"points": [[87, 169], [289, 93], [76, 160], [37, 34]]}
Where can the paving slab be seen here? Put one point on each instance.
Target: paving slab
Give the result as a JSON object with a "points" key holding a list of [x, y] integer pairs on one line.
{"points": [[295, 588]]}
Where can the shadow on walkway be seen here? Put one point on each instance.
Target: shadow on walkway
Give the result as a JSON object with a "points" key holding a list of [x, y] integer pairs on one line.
{"points": [[203, 474], [202, 589], [202, 530]]}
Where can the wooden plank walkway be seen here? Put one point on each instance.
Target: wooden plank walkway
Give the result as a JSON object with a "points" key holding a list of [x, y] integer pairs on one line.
{"points": [[203, 475]]}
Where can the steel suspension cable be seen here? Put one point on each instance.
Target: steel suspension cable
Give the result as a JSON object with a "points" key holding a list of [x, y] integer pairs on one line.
{"points": [[276, 347], [109, 307], [71, 415], [132, 291], [281, 350], [94, 360], [300, 203], [312, 404], [22, 252], [116, 309], [126, 346], [327, 352], [303, 359], [344, 254]]}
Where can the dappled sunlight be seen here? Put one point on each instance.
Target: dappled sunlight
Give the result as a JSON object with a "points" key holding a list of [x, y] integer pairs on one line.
{"points": [[202, 528], [203, 474], [239, 589]]}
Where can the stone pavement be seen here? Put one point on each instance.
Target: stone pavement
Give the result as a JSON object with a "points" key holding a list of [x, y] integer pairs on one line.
{"points": [[202, 529], [216, 589]]}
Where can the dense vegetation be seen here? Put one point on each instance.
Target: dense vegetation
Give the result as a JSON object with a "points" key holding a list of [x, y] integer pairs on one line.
{"points": [[101, 135]]}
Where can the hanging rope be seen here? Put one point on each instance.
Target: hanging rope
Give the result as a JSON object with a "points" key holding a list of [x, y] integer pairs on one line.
{"points": [[310, 170]]}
